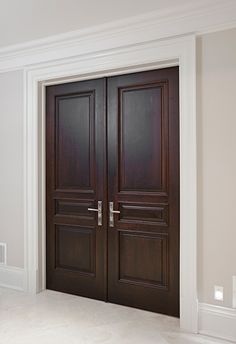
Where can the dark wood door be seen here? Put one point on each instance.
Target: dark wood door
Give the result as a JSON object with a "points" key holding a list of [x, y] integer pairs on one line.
{"points": [[143, 179], [127, 156], [76, 181]]}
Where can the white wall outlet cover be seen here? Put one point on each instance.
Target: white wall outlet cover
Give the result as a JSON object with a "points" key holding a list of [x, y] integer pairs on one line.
{"points": [[234, 291], [218, 293], [3, 253]]}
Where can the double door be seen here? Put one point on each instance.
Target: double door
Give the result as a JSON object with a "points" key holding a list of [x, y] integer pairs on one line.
{"points": [[112, 150]]}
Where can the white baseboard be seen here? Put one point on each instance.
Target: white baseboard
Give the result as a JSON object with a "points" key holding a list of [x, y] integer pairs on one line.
{"points": [[217, 321], [13, 277]]}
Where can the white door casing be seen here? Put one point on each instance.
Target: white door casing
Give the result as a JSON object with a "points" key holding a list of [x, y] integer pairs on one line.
{"points": [[126, 59]]}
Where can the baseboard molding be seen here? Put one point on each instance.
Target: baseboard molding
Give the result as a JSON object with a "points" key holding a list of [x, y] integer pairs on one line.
{"points": [[13, 277], [217, 321]]}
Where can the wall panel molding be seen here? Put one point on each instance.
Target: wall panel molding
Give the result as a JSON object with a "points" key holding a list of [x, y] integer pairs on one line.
{"points": [[198, 18]]}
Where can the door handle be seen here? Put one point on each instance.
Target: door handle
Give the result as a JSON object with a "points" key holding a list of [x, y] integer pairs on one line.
{"points": [[99, 211], [111, 214]]}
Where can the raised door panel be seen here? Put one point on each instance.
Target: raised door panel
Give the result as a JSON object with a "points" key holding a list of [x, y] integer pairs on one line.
{"points": [[75, 249], [74, 208], [142, 158], [148, 214], [75, 141], [143, 259], [76, 134]]}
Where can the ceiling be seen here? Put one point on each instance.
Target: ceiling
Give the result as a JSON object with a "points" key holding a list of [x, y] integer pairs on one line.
{"points": [[26, 20]]}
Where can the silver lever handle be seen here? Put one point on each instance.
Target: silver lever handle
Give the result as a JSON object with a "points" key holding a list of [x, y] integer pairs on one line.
{"points": [[99, 211], [111, 212]]}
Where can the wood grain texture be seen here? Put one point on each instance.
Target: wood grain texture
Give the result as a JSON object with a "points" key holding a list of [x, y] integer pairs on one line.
{"points": [[143, 180], [115, 140], [76, 136]]}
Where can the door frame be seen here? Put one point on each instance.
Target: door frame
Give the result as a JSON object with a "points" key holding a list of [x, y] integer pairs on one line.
{"points": [[180, 51]]}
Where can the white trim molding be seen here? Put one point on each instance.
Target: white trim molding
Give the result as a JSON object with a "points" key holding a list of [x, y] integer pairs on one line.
{"points": [[13, 277], [198, 18], [217, 321], [150, 55], [156, 40]]}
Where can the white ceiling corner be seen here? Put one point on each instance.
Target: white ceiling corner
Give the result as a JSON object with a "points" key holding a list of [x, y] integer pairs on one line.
{"points": [[189, 17]]}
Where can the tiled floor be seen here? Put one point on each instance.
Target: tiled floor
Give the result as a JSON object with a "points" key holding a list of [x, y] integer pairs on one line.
{"points": [[52, 317]]}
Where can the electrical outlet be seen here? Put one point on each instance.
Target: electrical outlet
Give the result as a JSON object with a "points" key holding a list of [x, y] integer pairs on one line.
{"points": [[3, 253], [219, 293], [234, 291]]}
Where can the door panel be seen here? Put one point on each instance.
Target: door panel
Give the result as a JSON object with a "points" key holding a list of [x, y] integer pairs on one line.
{"points": [[76, 181], [143, 179], [75, 142], [75, 249], [148, 268], [141, 153]]}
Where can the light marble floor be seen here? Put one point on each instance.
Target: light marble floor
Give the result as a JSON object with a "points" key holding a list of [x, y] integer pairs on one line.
{"points": [[52, 317]]}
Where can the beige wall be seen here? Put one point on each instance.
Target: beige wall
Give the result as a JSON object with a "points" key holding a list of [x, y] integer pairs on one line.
{"points": [[11, 166], [216, 94]]}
